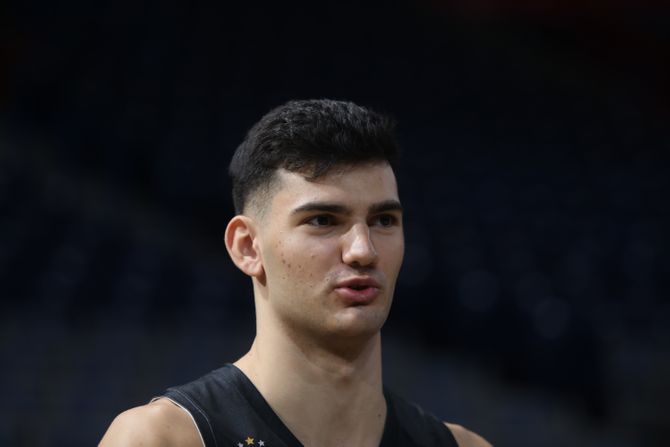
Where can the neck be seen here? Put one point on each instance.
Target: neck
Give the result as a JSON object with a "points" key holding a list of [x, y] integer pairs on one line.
{"points": [[325, 395]]}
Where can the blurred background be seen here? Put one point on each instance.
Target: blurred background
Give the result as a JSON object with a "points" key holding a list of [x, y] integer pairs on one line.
{"points": [[533, 305]]}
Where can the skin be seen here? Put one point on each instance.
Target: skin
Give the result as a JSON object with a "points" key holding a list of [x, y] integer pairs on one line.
{"points": [[314, 343]]}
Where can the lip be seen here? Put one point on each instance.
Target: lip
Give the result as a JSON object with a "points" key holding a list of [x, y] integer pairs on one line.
{"points": [[358, 291], [358, 281]]}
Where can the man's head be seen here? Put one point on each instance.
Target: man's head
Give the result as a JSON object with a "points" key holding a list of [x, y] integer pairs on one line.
{"points": [[309, 137], [319, 223]]}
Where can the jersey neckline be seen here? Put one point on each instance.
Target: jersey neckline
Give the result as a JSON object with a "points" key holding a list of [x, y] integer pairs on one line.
{"points": [[263, 408]]}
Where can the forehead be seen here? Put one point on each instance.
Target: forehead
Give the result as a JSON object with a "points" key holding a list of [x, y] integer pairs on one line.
{"points": [[358, 185]]}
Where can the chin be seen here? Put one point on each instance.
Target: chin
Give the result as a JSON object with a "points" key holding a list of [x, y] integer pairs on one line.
{"points": [[355, 322]]}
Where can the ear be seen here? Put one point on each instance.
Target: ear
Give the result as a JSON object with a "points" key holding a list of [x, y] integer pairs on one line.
{"points": [[242, 245]]}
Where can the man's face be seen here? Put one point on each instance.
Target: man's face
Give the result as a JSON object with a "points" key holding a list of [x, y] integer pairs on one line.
{"points": [[331, 251]]}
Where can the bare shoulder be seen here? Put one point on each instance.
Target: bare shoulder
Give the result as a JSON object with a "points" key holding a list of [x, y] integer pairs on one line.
{"points": [[466, 438], [160, 423]]}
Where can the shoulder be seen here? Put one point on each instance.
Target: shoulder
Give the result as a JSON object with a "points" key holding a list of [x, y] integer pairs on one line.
{"points": [[466, 438], [160, 423]]}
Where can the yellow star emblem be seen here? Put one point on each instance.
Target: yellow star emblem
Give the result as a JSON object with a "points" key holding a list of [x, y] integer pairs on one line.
{"points": [[249, 440]]}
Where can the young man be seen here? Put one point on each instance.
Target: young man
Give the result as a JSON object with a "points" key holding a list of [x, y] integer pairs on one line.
{"points": [[319, 232]]}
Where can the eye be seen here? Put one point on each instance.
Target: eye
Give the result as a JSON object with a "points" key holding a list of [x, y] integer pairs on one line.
{"points": [[322, 220], [385, 220]]}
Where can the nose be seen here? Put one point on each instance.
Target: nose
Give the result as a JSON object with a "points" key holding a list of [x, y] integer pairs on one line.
{"points": [[358, 249]]}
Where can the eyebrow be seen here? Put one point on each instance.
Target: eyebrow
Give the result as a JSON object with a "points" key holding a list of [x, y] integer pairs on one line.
{"points": [[385, 206], [337, 208]]}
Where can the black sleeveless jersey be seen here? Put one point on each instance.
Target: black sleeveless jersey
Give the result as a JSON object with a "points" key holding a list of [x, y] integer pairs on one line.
{"points": [[230, 412]]}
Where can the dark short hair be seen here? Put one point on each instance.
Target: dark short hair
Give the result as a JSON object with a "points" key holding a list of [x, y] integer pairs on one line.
{"points": [[310, 137]]}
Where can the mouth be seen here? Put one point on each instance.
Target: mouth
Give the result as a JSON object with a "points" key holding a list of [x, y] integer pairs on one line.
{"points": [[358, 291], [358, 282]]}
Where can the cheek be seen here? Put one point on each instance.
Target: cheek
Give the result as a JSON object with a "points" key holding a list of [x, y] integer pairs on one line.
{"points": [[300, 261], [391, 255], [390, 246]]}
